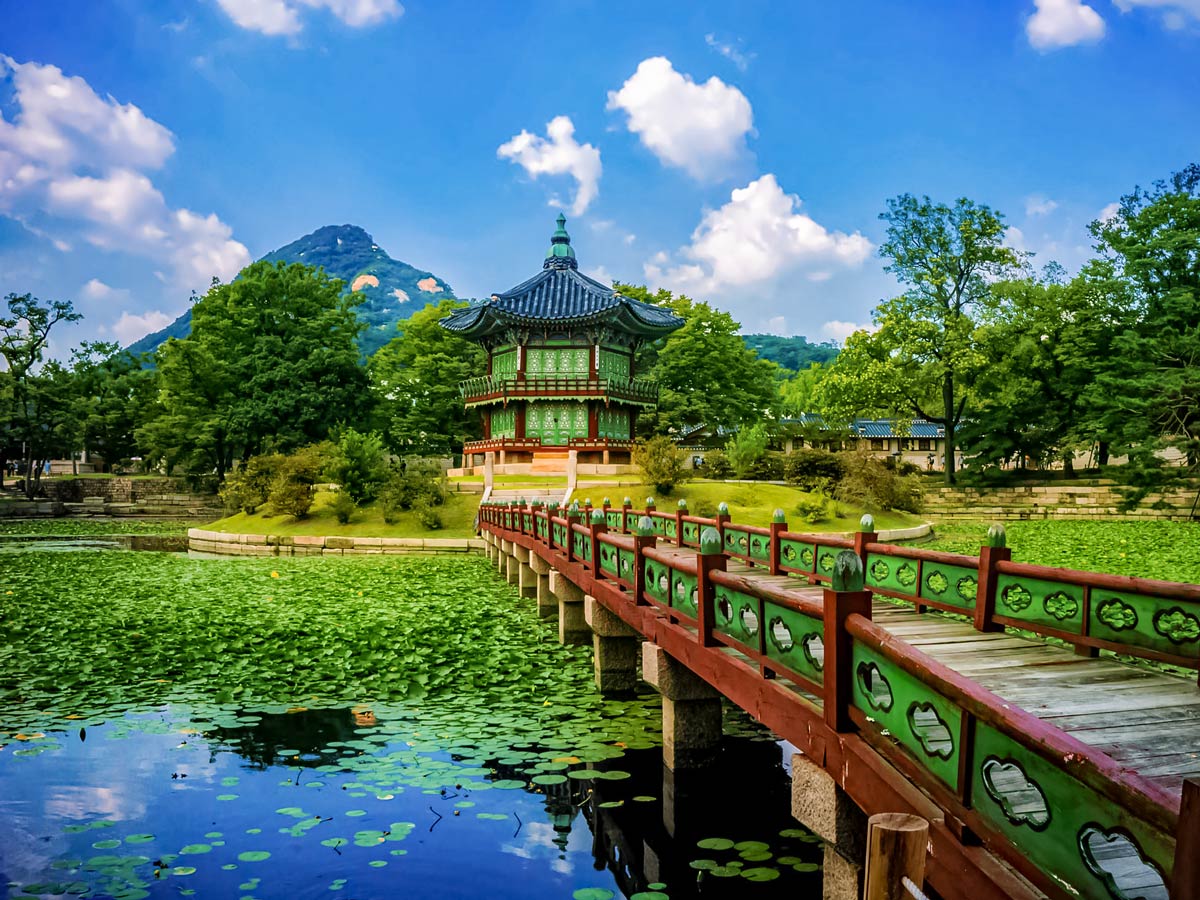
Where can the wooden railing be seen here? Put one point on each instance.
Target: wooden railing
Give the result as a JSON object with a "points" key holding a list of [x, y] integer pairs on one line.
{"points": [[1061, 811], [498, 388]]}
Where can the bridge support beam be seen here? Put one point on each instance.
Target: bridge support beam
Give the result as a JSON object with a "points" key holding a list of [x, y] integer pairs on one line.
{"points": [[503, 557], [512, 570], [572, 627], [547, 604], [828, 812], [526, 580], [615, 649], [691, 710]]}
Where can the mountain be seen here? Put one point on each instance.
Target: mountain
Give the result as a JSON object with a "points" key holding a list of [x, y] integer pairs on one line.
{"points": [[391, 290], [793, 353]]}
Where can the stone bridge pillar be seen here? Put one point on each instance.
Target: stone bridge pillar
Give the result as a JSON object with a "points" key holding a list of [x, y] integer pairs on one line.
{"points": [[614, 649], [547, 604], [828, 812], [691, 710], [526, 579], [572, 627]]}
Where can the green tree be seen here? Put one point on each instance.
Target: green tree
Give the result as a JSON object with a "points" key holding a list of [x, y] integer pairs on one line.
{"points": [[661, 462], [705, 372], [36, 396], [746, 448], [925, 354], [270, 365], [114, 394], [1147, 394], [359, 465], [415, 381]]}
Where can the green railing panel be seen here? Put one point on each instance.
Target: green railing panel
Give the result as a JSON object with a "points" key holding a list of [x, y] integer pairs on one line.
{"points": [[925, 722], [796, 640], [608, 559], [1050, 603], [684, 594], [952, 585], [691, 533], [797, 555], [669, 527], [891, 573], [826, 557], [737, 541], [1066, 829], [657, 525], [736, 614], [527, 519], [1152, 623], [560, 535], [541, 528], [658, 581], [582, 546], [613, 520], [760, 547], [625, 563]]}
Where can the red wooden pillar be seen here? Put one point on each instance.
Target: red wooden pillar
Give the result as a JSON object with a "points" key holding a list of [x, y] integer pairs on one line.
{"points": [[778, 527], [866, 534], [642, 538], [1185, 876], [625, 505], [993, 552], [593, 421], [844, 599], [519, 428], [574, 517], [722, 520], [681, 510], [709, 559], [599, 525]]}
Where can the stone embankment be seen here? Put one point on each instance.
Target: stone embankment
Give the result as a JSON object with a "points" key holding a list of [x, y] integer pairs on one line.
{"points": [[1101, 500], [142, 497], [317, 545]]}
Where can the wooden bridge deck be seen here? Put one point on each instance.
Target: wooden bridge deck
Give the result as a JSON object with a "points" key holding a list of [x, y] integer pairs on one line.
{"points": [[1146, 719]]}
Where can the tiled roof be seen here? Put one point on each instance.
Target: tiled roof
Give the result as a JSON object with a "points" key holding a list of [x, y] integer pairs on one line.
{"points": [[881, 428]]}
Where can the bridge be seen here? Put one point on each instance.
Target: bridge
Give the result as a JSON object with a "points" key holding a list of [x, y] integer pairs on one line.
{"points": [[968, 690]]}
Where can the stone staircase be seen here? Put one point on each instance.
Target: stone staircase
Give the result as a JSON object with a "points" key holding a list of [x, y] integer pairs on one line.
{"points": [[549, 462]]}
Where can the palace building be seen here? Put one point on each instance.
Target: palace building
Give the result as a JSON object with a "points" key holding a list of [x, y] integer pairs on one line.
{"points": [[560, 377]]}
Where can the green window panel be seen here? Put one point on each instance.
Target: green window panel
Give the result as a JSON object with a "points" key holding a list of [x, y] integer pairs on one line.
{"points": [[658, 581], [796, 640], [559, 362], [504, 364], [1167, 626], [614, 365], [1049, 603], [1068, 830], [613, 423], [504, 423], [797, 555], [736, 614], [556, 423], [923, 721]]}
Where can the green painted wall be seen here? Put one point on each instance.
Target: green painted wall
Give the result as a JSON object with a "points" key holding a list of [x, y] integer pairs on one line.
{"points": [[614, 423], [556, 423], [504, 423], [557, 361]]}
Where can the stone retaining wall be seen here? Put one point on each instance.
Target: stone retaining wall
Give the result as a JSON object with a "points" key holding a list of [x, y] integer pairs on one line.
{"points": [[1100, 501], [317, 545]]}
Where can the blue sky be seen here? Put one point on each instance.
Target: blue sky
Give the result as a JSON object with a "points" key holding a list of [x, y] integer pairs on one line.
{"points": [[739, 152]]}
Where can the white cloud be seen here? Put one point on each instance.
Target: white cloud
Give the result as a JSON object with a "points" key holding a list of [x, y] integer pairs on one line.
{"points": [[1037, 205], [777, 325], [1015, 237], [558, 154], [96, 289], [731, 52], [282, 17], [758, 235], [601, 274], [1063, 23], [1176, 13], [839, 331], [77, 162], [700, 128], [1109, 212], [130, 327]]}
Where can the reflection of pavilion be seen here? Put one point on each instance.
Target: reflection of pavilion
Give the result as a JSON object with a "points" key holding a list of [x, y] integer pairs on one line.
{"points": [[560, 366]]}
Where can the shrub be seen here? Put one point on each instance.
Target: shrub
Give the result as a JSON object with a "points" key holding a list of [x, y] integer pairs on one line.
{"points": [[746, 448], [343, 507], [812, 469], [247, 487], [716, 465], [291, 490], [814, 508], [661, 462], [427, 514], [359, 465], [868, 482], [414, 482], [768, 467]]}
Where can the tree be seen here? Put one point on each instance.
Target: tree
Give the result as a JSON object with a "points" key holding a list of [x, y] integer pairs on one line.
{"points": [[705, 372], [746, 448], [924, 354], [1147, 394], [415, 380], [114, 394], [271, 364], [36, 396], [359, 466], [661, 462]]}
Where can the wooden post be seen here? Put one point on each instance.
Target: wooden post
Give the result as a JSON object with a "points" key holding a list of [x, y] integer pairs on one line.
{"points": [[778, 527], [709, 559], [896, 848], [866, 534], [844, 598], [681, 510], [644, 538], [722, 521], [625, 504], [599, 527], [992, 552], [1185, 876], [573, 516]]}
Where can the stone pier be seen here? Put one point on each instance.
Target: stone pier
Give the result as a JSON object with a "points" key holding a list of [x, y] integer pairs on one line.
{"points": [[615, 649], [572, 626], [547, 603], [691, 710], [828, 812], [526, 580]]}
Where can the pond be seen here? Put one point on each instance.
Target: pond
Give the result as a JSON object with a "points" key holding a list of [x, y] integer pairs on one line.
{"points": [[349, 728]]}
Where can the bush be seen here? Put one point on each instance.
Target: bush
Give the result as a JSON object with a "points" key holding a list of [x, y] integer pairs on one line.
{"points": [[814, 508], [359, 465], [291, 491], [661, 462], [812, 469], [413, 483], [716, 465], [768, 467], [868, 482], [247, 487], [427, 514], [343, 507], [746, 448]]}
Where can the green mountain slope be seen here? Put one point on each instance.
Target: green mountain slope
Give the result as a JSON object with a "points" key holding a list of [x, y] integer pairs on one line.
{"points": [[391, 290]]}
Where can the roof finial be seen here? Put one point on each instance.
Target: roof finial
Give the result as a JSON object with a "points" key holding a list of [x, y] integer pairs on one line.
{"points": [[561, 256]]}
